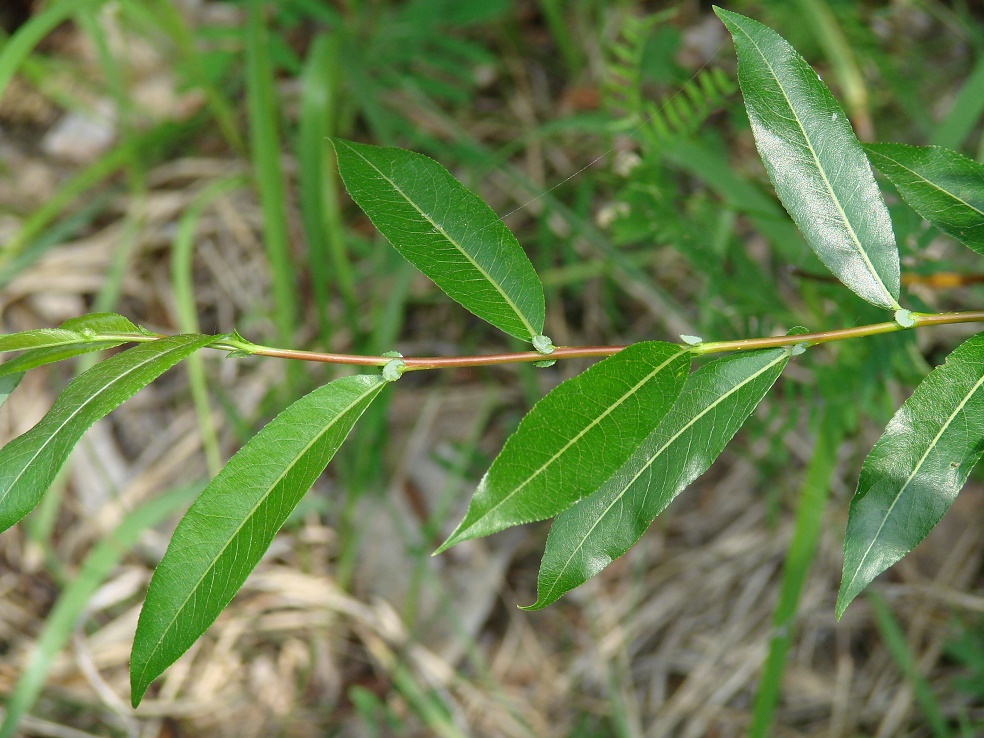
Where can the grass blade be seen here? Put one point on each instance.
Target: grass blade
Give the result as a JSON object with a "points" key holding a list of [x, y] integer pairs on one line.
{"points": [[29, 463], [447, 232], [223, 535], [815, 162], [265, 148], [61, 621], [318, 182], [944, 187], [575, 437], [714, 404], [916, 469], [802, 546], [895, 641], [27, 37]]}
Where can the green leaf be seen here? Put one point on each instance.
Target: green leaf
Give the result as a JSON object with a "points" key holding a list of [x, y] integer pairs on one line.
{"points": [[712, 407], [447, 232], [944, 187], [575, 437], [29, 463], [73, 337], [916, 469], [225, 532], [8, 384], [815, 162]]}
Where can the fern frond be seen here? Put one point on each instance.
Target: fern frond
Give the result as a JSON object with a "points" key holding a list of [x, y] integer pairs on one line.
{"points": [[675, 114]]}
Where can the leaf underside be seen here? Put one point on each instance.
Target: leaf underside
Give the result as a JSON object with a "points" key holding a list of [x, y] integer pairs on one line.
{"points": [[575, 437], [916, 468], [815, 162], [447, 232], [944, 187], [714, 404], [225, 532], [29, 463]]}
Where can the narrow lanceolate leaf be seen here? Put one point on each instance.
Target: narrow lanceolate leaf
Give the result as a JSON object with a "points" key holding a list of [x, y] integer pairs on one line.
{"points": [[916, 469], [715, 402], [223, 535], [447, 232], [29, 463], [815, 162], [72, 338], [944, 187], [575, 437]]}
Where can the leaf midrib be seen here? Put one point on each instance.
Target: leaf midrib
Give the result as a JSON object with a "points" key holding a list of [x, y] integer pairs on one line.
{"points": [[77, 410], [823, 175], [927, 181], [249, 516], [76, 338], [651, 461], [611, 408], [452, 241], [898, 496]]}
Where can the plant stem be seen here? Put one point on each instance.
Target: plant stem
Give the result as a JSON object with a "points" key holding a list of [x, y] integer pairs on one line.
{"points": [[243, 347]]}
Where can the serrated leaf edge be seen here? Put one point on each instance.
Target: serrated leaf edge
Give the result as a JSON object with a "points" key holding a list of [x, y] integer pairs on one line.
{"points": [[946, 192], [76, 411], [375, 388], [458, 535], [845, 588], [850, 227], [526, 323], [782, 357]]}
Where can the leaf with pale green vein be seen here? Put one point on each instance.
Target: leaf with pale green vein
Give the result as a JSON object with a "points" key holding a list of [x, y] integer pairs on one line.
{"points": [[815, 162], [447, 232], [225, 532], [714, 404], [74, 337], [916, 468], [29, 463], [944, 187], [575, 437]]}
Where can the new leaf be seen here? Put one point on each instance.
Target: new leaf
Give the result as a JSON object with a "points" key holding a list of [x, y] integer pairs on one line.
{"points": [[575, 437], [29, 463], [916, 469], [447, 232], [715, 402], [945, 188], [223, 535], [815, 162]]}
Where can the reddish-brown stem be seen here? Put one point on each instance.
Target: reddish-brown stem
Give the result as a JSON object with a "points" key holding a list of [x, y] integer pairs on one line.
{"points": [[571, 352]]}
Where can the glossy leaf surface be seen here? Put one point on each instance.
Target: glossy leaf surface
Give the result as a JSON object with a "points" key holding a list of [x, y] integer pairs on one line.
{"points": [[815, 162], [575, 437], [714, 404], [916, 469], [72, 338], [29, 463], [447, 232], [225, 532], [945, 188]]}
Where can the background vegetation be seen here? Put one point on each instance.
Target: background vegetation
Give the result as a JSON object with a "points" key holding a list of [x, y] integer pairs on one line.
{"points": [[167, 160]]}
